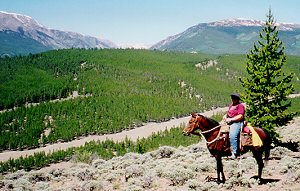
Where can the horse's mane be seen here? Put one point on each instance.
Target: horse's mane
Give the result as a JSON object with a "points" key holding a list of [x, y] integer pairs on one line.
{"points": [[212, 121]]}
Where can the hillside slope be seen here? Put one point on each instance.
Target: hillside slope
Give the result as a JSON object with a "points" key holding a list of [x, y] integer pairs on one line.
{"points": [[167, 168], [232, 36], [119, 89]]}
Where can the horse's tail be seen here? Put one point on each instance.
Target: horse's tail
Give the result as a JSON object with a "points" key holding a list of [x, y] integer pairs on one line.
{"points": [[267, 146]]}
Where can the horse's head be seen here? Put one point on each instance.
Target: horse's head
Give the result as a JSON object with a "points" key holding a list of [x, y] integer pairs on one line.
{"points": [[193, 124]]}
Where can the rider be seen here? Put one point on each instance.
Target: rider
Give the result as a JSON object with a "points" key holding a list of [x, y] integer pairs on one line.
{"points": [[235, 118]]}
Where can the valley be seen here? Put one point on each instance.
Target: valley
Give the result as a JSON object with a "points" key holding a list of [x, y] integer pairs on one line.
{"points": [[125, 101]]}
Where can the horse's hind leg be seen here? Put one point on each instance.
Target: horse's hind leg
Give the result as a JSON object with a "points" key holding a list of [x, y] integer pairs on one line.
{"points": [[258, 157], [220, 173]]}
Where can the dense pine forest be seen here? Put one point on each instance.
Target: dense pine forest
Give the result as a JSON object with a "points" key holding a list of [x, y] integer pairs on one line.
{"points": [[118, 89]]}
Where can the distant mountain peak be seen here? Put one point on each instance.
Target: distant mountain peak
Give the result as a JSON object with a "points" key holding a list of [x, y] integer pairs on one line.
{"points": [[16, 15], [25, 27], [17, 19], [234, 36], [237, 22]]}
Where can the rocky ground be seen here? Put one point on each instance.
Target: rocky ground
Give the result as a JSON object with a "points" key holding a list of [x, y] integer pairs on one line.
{"points": [[167, 168]]}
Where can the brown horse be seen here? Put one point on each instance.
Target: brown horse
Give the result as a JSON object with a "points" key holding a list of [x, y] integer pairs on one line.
{"points": [[218, 143]]}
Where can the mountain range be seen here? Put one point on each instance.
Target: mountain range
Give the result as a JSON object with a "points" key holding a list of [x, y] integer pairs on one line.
{"points": [[228, 36], [20, 34]]}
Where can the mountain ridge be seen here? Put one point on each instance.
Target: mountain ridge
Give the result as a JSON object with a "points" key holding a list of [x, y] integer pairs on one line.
{"points": [[228, 36], [25, 27]]}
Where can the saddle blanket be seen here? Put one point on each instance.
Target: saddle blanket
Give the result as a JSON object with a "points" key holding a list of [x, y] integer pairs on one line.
{"points": [[256, 140]]}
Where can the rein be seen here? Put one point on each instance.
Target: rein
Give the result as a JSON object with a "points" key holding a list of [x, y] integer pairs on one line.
{"points": [[207, 131]]}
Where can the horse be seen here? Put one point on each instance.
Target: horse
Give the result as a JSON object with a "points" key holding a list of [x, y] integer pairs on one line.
{"points": [[218, 143]]}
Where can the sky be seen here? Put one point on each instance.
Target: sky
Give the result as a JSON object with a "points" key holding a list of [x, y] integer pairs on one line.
{"points": [[142, 23]]}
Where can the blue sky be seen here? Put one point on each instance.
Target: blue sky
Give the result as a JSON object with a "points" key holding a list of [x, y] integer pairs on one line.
{"points": [[145, 22]]}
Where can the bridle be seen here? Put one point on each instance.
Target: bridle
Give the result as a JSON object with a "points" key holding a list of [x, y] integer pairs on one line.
{"points": [[207, 131]]}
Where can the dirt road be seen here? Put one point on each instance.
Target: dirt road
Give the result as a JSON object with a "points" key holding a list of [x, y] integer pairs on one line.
{"points": [[133, 134]]}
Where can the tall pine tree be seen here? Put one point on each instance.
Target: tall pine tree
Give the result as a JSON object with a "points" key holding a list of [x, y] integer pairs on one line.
{"points": [[267, 86]]}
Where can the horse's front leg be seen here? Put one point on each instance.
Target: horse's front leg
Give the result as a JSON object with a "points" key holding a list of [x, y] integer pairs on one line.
{"points": [[220, 173]]}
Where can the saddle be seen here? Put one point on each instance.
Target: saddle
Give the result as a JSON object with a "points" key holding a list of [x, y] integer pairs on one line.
{"points": [[245, 137], [249, 137]]}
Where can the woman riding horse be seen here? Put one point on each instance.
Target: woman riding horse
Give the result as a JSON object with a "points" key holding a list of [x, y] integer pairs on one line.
{"points": [[235, 118], [218, 144]]}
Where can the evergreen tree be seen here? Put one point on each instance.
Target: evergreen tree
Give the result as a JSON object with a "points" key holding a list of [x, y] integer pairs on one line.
{"points": [[267, 86]]}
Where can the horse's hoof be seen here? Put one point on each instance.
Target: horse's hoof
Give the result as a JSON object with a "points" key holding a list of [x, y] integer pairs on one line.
{"points": [[208, 178]]}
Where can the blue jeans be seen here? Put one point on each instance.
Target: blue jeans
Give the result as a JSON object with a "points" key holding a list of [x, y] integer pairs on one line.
{"points": [[234, 133]]}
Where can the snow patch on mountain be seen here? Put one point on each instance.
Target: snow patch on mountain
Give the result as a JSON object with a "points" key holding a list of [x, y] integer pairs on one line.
{"points": [[251, 23], [237, 22], [12, 21]]}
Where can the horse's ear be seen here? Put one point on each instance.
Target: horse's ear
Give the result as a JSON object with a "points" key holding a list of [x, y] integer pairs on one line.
{"points": [[200, 116], [194, 115]]}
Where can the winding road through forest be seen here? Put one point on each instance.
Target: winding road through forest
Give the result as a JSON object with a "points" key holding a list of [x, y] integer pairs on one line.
{"points": [[133, 134]]}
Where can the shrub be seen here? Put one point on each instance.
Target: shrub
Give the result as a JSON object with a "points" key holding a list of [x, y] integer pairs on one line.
{"points": [[42, 185], [114, 176], [93, 185], [16, 175], [197, 148], [22, 183], [85, 174], [289, 164], [297, 175], [98, 163], [179, 154], [235, 169], [34, 177], [133, 171], [137, 158], [209, 186], [133, 188], [240, 181], [178, 175], [202, 166], [279, 152], [56, 172], [163, 152], [83, 156], [146, 181], [193, 184]]}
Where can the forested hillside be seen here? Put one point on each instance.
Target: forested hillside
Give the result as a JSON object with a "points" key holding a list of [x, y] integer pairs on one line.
{"points": [[119, 89]]}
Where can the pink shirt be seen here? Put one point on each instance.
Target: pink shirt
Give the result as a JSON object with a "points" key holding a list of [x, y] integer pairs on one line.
{"points": [[235, 110]]}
